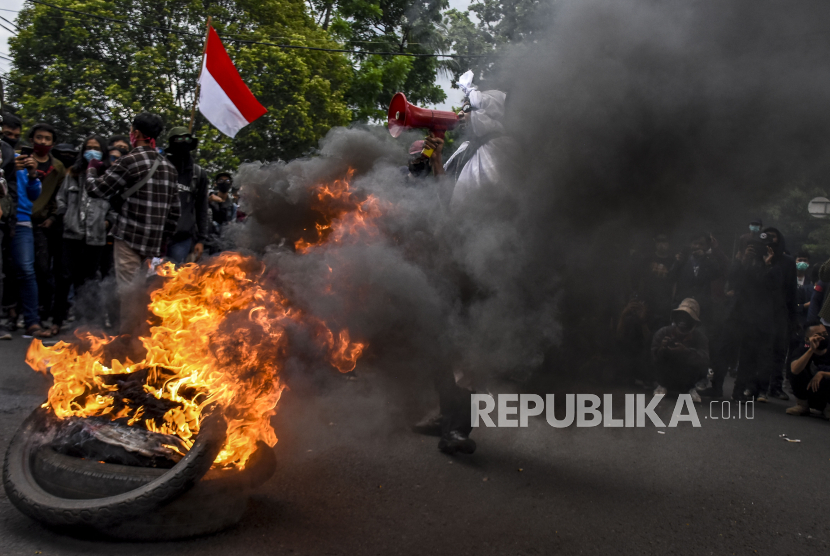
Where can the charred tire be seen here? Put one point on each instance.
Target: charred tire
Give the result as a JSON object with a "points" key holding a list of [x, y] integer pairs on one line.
{"points": [[71, 477], [217, 501], [31, 499]]}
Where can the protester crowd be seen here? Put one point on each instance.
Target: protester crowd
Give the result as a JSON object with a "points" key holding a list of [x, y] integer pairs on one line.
{"points": [[78, 219], [694, 316]]}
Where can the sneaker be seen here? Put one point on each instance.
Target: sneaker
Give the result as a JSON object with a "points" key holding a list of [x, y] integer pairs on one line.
{"points": [[35, 331], [660, 391], [738, 396], [21, 322], [826, 412], [695, 395], [761, 398], [801, 407], [455, 442], [5, 334]]}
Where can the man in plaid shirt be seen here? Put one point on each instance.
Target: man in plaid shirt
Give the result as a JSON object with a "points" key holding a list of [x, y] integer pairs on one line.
{"points": [[148, 217]]}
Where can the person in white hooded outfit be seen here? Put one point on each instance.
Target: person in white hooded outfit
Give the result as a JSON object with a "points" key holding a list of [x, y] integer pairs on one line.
{"points": [[474, 163]]}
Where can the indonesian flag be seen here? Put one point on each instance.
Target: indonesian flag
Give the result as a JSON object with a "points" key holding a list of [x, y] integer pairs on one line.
{"points": [[225, 100]]}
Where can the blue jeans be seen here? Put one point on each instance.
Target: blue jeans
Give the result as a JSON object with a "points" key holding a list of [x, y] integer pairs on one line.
{"points": [[23, 254], [178, 251]]}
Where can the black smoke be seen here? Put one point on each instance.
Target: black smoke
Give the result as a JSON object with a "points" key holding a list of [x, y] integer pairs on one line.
{"points": [[628, 117]]}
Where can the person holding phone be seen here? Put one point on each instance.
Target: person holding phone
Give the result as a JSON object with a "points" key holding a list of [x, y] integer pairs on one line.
{"points": [[23, 243]]}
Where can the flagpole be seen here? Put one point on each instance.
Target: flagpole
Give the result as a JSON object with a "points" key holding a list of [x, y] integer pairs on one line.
{"points": [[201, 67]]}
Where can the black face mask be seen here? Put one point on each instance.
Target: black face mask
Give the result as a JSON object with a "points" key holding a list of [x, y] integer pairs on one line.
{"points": [[223, 186], [683, 326], [10, 141], [822, 344], [179, 149]]}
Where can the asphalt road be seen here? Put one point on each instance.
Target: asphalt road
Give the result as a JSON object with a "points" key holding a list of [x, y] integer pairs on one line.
{"points": [[351, 482]]}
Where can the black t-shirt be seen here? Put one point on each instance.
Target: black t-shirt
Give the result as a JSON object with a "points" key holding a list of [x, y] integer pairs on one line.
{"points": [[815, 361], [43, 168]]}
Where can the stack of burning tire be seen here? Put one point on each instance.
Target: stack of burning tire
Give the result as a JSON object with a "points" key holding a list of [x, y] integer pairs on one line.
{"points": [[79, 495]]}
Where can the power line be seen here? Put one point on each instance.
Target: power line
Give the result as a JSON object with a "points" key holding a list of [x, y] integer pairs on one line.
{"points": [[12, 23], [229, 38]]}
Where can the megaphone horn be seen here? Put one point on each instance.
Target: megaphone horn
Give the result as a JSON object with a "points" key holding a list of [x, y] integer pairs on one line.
{"points": [[405, 115]]}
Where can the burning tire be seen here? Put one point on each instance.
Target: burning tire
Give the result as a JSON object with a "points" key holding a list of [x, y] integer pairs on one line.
{"points": [[217, 501], [108, 514]]}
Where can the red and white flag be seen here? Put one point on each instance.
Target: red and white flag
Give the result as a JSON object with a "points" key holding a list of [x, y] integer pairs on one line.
{"points": [[225, 100]]}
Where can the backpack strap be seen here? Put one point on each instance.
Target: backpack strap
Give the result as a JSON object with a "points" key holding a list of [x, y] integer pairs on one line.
{"points": [[127, 194]]}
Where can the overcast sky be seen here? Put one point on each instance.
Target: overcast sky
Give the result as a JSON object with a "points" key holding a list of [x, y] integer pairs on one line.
{"points": [[8, 9]]}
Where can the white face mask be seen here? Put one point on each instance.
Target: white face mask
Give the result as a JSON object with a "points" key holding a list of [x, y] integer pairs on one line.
{"points": [[755, 229]]}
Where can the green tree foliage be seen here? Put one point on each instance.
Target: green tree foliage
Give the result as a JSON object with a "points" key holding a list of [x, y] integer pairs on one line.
{"points": [[87, 75], [490, 25], [373, 26], [787, 211]]}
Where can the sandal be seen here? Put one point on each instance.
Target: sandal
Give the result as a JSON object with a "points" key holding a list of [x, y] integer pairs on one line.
{"points": [[35, 331], [54, 330]]}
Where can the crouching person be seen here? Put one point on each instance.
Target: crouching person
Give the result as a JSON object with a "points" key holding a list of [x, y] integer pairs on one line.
{"points": [[809, 372], [681, 352]]}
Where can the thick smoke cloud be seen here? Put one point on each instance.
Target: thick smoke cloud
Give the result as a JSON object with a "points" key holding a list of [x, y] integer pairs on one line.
{"points": [[627, 116]]}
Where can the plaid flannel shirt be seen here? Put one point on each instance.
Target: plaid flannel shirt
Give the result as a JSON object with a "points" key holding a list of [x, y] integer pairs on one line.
{"points": [[148, 217]]}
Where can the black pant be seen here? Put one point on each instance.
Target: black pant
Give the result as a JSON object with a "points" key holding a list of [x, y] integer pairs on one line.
{"points": [[818, 400], [48, 265], [678, 376], [454, 402], [10, 294], [726, 346], [780, 348], [79, 267], [755, 360]]}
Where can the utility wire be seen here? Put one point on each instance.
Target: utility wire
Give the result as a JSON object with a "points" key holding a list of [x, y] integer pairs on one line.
{"points": [[228, 38], [12, 23]]}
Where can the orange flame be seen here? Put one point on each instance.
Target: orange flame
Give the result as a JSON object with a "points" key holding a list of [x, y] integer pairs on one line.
{"points": [[219, 337], [342, 212]]}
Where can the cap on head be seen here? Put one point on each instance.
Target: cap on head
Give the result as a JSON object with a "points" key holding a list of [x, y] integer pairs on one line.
{"points": [[756, 222], [65, 148], [181, 131], [416, 147], [690, 307]]}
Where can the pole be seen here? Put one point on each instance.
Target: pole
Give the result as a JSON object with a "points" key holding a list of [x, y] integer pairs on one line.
{"points": [[198, 86]]}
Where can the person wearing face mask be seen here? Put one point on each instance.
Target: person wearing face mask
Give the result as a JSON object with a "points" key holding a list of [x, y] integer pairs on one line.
{"points": [[809, 372], [193, 227], [84, 237], [66, 153], [785, 323], [42, 223], [655, 282], [222, 207], [754, 230], [758, 284], [680, 352], [805, 287], [141, 187]]}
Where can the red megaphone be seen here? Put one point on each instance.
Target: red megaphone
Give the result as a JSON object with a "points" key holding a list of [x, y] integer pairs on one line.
{"points": [[403, 115]]}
